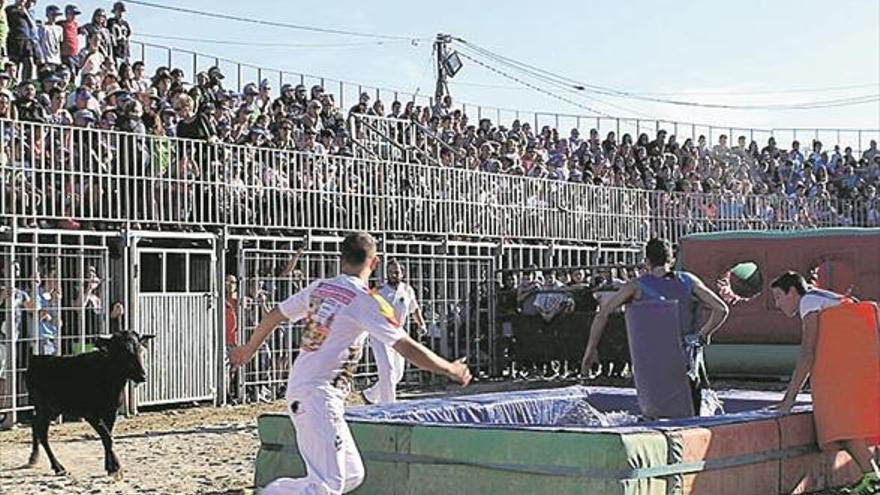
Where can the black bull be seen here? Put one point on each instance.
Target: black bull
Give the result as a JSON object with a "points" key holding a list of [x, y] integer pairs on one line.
{"points": [[87, 386]]}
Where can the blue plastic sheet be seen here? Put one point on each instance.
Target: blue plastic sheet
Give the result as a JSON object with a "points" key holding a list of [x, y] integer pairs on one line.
{"points": [[560, 408]]}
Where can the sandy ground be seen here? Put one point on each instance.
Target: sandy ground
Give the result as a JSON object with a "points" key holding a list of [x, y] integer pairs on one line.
{"points": [[198, 450]]}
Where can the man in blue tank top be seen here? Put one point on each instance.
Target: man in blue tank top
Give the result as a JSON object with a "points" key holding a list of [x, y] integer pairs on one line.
{"points": [[660, 282]]}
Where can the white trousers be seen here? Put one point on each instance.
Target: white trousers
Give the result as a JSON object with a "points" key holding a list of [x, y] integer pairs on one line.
{"points": [[333, 463], [390, 366]]}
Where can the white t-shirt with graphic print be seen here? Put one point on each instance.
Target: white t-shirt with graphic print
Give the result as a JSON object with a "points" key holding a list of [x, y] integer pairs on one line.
{"points": [[338, 314]]}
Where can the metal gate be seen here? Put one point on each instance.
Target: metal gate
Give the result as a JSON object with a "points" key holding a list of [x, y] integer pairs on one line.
{"points": [[264, 281], [54, 300], [176, 294]]}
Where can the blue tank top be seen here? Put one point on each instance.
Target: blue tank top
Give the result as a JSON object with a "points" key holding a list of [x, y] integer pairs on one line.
{"points": [[672, 286]]}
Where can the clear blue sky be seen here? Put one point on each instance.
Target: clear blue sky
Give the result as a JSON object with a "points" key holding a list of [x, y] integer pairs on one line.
{"points": [[692, 50]]}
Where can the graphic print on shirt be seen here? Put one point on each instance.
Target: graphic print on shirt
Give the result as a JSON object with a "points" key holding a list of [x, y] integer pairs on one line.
{"points": [[322, 311], [385, 308], [345, 379]]}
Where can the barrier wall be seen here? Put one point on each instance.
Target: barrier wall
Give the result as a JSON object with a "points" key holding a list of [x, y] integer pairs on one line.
{"points": [[747, 452]]}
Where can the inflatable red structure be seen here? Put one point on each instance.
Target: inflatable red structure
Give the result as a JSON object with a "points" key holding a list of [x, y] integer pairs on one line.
{"points": [[758, 339]]}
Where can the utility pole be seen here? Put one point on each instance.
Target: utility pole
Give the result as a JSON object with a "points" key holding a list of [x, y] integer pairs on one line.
{"points": [[440, 45]]}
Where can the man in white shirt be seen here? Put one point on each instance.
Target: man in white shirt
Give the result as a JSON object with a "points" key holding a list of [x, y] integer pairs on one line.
{"points": [[389, 364], [793, 296], [50, 35], [338, 314]]}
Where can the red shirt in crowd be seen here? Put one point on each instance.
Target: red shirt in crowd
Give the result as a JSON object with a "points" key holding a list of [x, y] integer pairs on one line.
{"points": [[231, 323], [70, 43]]}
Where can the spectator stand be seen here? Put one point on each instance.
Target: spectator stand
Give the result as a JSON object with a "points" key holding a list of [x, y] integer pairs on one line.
{"points": [[348, 93]]}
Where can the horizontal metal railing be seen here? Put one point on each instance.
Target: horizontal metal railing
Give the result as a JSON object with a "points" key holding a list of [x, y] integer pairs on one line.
{"points": [[65, 174], [347, 92]]}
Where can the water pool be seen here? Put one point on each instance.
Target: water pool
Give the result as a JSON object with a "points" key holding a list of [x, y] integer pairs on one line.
{"points": [[510, 443]]}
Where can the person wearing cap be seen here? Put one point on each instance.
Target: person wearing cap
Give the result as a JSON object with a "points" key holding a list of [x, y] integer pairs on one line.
{"points": [[84, 118], [215, 80], [82, 99], [70, 37], [317, 91], [19, 46], [130, 119], [51, 81], [50, 35], [120, 33], [251, 93], [327, 139], [284, 103], [177, 76], [202, 80], [297, 108], [310, 143]]}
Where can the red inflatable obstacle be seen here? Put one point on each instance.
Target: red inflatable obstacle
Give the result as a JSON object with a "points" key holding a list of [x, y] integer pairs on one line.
{"points": [[846, 261], [846, 374]]}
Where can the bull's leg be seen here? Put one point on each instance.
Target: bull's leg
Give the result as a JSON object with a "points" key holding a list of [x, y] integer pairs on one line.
{"points": [[41, 423], [109, 422], [35, 445], [111, 463]]}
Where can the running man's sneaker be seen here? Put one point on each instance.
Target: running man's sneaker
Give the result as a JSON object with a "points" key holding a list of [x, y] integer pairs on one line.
{"points": [[868, 485]]}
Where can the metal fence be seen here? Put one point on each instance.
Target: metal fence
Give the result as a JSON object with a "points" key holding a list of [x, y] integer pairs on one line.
{"points": [[55, 299], [453, 284], [66, 176], [347, 92]]}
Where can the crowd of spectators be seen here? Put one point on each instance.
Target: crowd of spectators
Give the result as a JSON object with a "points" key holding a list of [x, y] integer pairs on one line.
{"points": [[61, 72], [662, 162], [58, 71]]}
